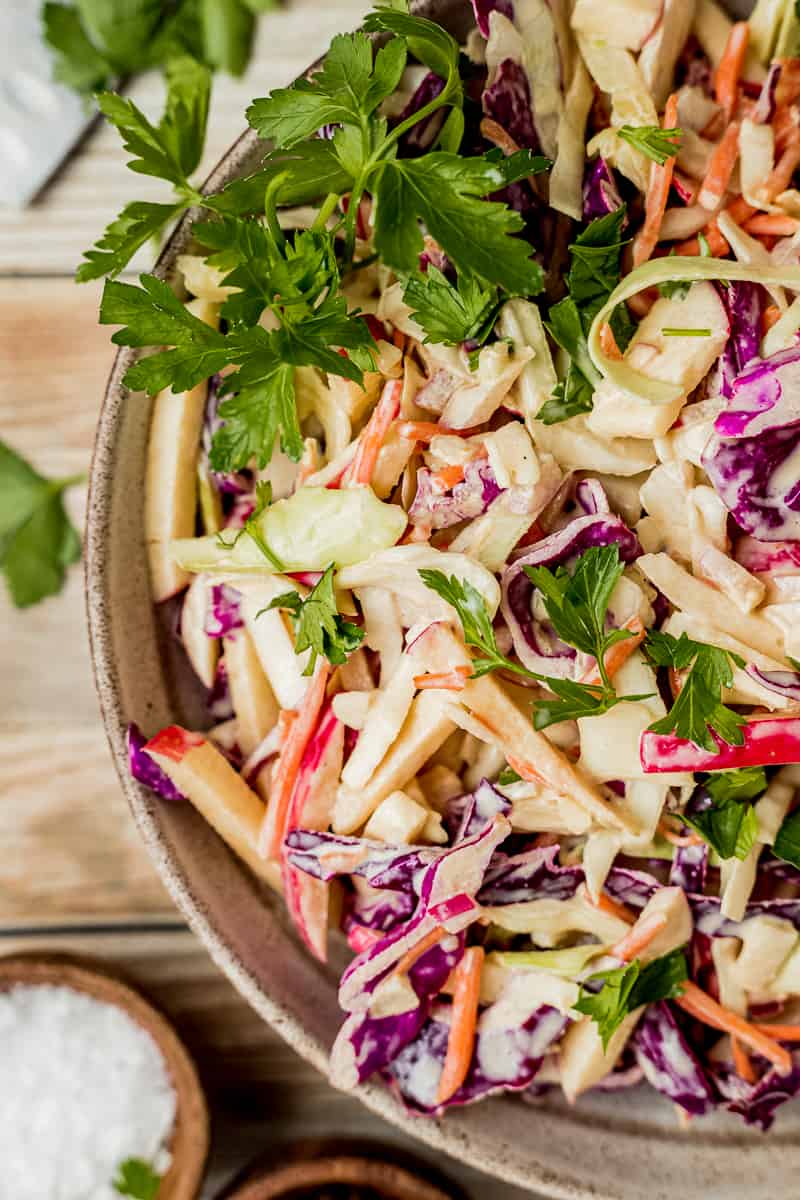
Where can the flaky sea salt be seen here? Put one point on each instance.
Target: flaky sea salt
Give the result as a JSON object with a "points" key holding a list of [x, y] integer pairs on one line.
{"points": [[82, 1088]]}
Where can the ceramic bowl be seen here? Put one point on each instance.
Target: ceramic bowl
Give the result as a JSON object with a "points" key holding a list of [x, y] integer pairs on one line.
{"points": [[624, 1146], [189, 1140]]}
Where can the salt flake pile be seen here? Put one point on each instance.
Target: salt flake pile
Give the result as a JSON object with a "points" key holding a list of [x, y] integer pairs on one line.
{"points": [[82, 1088]]}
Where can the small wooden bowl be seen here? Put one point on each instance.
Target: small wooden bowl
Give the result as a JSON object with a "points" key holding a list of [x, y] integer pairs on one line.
{"points": [[335, 1167], [189, 1142]]}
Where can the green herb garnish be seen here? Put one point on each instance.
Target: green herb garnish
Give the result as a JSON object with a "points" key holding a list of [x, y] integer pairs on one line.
{"points": [[318, 624], [698, 708], [37, 539], [628, 988], [657, 143], [729, 825], [136, 1178]]}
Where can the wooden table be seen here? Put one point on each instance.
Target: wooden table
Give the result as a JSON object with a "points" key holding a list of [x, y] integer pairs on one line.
{"points": [[73, 875]]}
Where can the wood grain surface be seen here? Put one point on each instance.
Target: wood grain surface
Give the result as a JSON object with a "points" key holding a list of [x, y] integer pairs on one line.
{"points": [[73, 875]]}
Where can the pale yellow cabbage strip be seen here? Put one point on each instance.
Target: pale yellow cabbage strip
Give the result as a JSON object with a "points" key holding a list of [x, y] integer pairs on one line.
{"points": [[665, 270]]}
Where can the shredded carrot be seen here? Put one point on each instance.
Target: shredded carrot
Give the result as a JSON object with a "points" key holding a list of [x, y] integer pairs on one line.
{"points": [[404, 964], [780, 177], [720, 168], [450, 681], [419, 431], [463, 1020], [498, 136], [534, 535], [286, 768], [776, 224], [442, 481], [416, 533], [619, 653], [374, 434], [702, 1007], [784, 125], [788, 89], [769, 317], [643, 933], [678, 839], [781, 1033], [742, 1063], [524, 769], [608, 343], [399, 339], [726, 79], [657, 193], [738, 210], [613, 908]]}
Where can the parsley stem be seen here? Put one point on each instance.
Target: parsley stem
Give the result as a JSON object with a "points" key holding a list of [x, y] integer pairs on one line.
{"points": [[61, 485], [444, 98], [326, 209], [270, 208]]}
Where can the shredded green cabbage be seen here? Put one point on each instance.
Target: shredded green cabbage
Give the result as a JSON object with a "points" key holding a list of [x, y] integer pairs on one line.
{"points": [[666, 270]]}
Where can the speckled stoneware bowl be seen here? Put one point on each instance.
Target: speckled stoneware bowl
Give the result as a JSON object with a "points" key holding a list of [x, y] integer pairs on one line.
{"points": [[625, 1146]]}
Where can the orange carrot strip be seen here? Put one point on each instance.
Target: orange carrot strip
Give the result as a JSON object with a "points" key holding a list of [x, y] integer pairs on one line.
{"points": [[738, 210], [424, 944], [608, 343], [643, 933], [374, 434], [399, 339], [720, 168], [416, 533], [788, 89], [613, 908], [781, 175], [784, 125], [657, 193], [678, 839], [781, 1033], [619, 653], [726, 80], [463, 1020], [769, 317], [419, 431], [742, 1063], [702, 1007], [270, 839], [442, 481], [776, 224], [450, 681]]}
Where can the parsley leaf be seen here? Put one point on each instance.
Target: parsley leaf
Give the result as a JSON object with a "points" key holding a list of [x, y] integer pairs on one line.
{"points": [[475, 622], [298, 281], [308, 172], [787, 841], [656, 143], [577, 604], [593, 275], [170, 151], [722, 814], [136, 1178], [451, 314], [627, 988], [37, 539], [508, 775], [346, 90], [698, 708], [318, 625], [444, 191], [77, 63]]}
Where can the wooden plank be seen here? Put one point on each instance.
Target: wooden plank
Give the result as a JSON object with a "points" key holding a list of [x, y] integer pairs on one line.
{"points": [[49, 237]]}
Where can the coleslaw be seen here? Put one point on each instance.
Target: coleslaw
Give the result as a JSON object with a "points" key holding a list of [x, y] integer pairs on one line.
{"points": [[474, 475]]}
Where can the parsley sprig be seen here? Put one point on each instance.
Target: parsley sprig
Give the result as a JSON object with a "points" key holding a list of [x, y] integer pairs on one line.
{"points": [[656, 143], [723, 814], [253, 529], [170, 151], [37, 539], [137, 1179], [698, 708], [577, 605], [319, 627], [627, 988], [452, 313], [298, 281], [593, 275]]}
